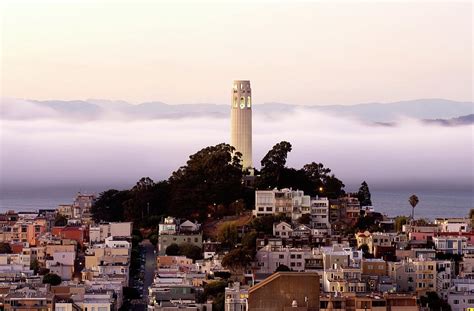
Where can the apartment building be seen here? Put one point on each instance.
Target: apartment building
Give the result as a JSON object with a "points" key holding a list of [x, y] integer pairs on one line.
{"points": [[343, 279], [292, 203], [320, 215], [30, 300], [236, 297], [269, 258], [450, 245], [99, 232], [418, 275]]}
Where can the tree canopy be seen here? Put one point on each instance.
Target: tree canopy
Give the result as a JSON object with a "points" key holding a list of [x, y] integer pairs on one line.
{"points": [[212, 176], [413, 200], [52, 279], [314, 178], [210, 183], [273, 164], [5, 248], [364, 195], [60, 220]]}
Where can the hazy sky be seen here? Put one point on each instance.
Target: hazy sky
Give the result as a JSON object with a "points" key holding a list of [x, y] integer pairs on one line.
{"points": [[186, 52], [326, 52]]}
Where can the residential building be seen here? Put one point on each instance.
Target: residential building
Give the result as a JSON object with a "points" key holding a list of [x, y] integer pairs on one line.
{"points": [[285, 291], [454, 224], [292, 203], [236, 297], [99, 232], [320, 215], [171, 231], [30, 300], [374, 267], [450, 245], [269, 258]]}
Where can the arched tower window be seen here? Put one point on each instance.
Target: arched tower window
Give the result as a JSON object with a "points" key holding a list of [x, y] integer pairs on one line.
{"points": [[242, 102], [249, 102], [236, 104]]}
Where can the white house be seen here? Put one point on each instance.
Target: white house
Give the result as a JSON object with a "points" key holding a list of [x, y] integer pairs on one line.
{"points": [[282, 229]]}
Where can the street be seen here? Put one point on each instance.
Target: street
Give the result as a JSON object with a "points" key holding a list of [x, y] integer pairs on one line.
{"points": [[149, 272]]}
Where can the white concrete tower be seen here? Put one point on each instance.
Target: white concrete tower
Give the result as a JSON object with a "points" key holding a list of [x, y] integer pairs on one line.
{"points": [[241, 121]]}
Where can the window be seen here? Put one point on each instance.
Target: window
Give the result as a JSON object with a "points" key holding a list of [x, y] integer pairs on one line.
{"points": [[248, 101], [281, 256]]}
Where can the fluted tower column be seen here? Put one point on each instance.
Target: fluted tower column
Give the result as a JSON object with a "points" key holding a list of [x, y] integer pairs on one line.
{"points": [[241, 120]]}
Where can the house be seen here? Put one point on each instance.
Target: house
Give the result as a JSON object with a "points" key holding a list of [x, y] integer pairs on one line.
{"points": [[171, 231], [454, 224], [282, 229]]}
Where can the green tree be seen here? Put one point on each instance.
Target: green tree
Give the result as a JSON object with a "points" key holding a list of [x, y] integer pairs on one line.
{"points": [[109, 206], [5, 248], [305, 219], [212, 176], [228, 235], [333, 187], [273, 165], [364, 195], [143, 185], [153, 238], [282, 268], [237, 259], [172, 250], [317, 174], [190, 251], [214, 291], [264, 224], [35, 266], [413, 200], [52, 279], [249, 240], [434, 302], [399, 222], [60, 220], [146, 201]]}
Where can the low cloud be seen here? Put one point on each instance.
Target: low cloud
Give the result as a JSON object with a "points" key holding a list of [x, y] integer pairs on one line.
{"points": [[107, 151]]}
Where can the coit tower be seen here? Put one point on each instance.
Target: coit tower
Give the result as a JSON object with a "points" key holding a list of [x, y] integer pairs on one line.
{"points": [[241, 121]]}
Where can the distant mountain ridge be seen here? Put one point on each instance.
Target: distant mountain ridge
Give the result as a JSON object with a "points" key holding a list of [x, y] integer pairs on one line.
{"points": [[428, 110], [459, 121]]}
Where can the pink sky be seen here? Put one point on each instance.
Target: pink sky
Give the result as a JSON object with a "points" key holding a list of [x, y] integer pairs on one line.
{"points": [[321, 52]]}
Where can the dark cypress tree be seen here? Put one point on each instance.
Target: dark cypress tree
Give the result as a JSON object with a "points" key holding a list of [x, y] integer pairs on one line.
{"points": [[364, 195]]}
